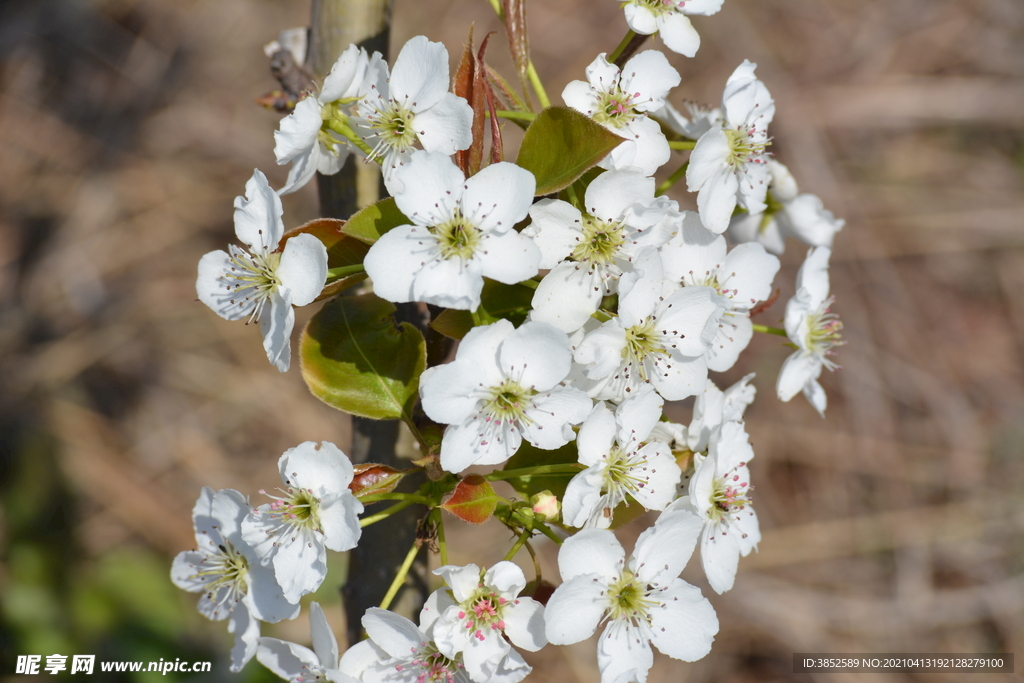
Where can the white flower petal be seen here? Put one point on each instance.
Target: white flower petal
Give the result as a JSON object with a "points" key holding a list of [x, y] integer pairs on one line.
{"points": [[568, 296], [537, 355], [258, 215], [797, 371], [498, 197], [325, 645], [394, 261], [339, 520], [686, 628], [447, 126], [218, 291], [575, 609], [679, 34], [287, 660], [507, 257], [394, 634], [419, 77], [624, 654], [432, 188], [590, 552], [524, 624], [303, 268], [613, 193], [322, 468], [276, 326]]}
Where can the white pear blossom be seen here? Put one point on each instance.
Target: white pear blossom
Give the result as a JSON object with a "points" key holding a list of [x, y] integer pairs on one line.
{"points": [[397, 651], [728, 165], [813, 328], [655, 338], [487, 614], [503, 386], [412, 105], [462, 231], [262, 284], [305, 139], [641, 602], [314, 512], [719, 493], [701, 119], [669, 18], [619, 101], [588, 252], [227, 571], [300, 664], [622, 460], [802, 216], [743, 277]]}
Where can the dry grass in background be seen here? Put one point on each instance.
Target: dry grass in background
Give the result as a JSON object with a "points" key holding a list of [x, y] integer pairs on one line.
{"points": [[895, 524]]}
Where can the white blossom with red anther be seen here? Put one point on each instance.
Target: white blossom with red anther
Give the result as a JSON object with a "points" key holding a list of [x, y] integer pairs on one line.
{"points": [[227, 571], [412, 105], [487, 614], [728, 165], [742, 277], [640, 601], [622, 461], [814, 329], [789, 213], [658, 338], [299, 664], [588, 252], [620, 100], [262, 284], [669, 19], [398, 651], [315, 512], [503, 387], [720, 495]]}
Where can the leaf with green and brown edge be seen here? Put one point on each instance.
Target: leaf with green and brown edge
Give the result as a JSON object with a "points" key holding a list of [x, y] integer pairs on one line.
{"points": [[472, 500], [452, 323], [356, 358], [529, 455], [483, 97], [372, 477], [561, 145], [369, 223], [342, 248], [340, 285]]}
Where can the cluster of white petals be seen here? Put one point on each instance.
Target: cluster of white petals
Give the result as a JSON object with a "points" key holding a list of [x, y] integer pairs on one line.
{"points": [[634, 303]]}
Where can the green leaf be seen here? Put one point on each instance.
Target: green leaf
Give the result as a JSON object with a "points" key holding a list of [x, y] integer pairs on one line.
{"points": [[356, 358], [367, 225], [473, 500], [561, 145], [453, 324], [529, 455]]}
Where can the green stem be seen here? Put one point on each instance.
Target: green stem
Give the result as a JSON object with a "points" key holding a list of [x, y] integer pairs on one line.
{"points": [[770, 330], [573, 197], [385, 513], [672, 179], [532, 471], [392, 495], [403, 572], [538, 87], [536, 561], [532, 284], [523, 537], [517, 115], [342, 271], [442, 546], [622, 46], [544, 529], [342, 128], [682, 144]]}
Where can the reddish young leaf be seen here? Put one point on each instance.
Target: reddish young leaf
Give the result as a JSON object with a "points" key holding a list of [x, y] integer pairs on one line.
{"points": [[373, 477], [518, 41], [472, 500], [463, 87]]}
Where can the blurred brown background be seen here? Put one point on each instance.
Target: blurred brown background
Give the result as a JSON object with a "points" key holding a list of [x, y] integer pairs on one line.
{"points": [[895, 524]]}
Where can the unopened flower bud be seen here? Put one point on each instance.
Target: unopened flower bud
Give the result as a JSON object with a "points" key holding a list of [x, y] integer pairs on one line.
{"points": [[546, 505]]}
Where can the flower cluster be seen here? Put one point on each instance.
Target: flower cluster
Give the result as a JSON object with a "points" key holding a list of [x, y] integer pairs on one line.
{"points": [[582, 299]]}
